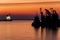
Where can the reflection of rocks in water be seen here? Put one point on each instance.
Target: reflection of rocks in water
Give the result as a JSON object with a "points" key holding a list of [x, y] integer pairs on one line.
{"points": [[51, 34], [42, 29], [54, 34], [36, 34]]}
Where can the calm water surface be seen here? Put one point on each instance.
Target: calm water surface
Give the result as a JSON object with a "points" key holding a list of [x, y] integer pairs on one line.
{"points": [[22, 30]]}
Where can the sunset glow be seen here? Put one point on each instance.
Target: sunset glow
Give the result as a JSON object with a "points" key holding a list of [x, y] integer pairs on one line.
{"points": [[27, 8]]}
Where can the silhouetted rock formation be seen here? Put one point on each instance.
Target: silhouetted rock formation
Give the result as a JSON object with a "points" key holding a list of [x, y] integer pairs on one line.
{"points": [[55, 18], [58, 23], [50, 21], [48, 18], [36, 22], [42, 19]]}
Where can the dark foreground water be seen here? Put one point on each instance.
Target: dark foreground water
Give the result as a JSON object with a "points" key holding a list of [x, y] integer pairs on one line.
{"points": [[22, 30]]}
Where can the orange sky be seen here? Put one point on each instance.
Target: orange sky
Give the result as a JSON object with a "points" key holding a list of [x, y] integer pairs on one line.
{"points": [[30, 8]]}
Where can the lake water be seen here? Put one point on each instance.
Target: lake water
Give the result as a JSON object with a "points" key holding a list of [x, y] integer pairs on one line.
{"points": [[22, 30]]}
